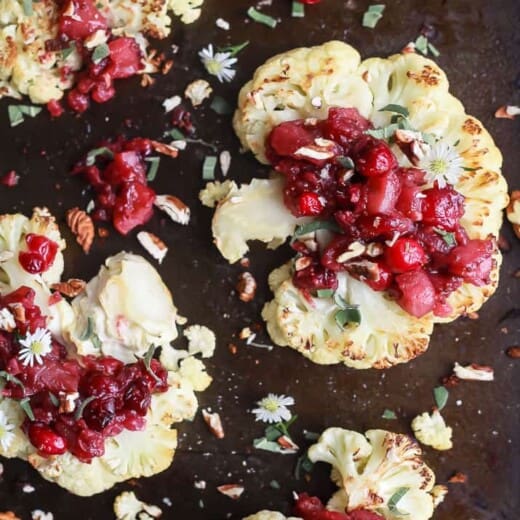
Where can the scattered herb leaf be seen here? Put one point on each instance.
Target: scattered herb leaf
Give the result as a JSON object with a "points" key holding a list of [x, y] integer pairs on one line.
{"points": [[208, 167], [27, 7], [154, 167], [345, 161], [147, 360], [67, 51], [16, 113], [274, 484], [372, 15], [80, 409], [325, 293], [304, 229], [341, 302], [435, 52], [234, 49], [96, 152], [220, 106], [396, 109], [394, 500], [176, 134], [303, 465], [262, 18], [263, 444], [421, 44], [448, 237], [94, 338], [441, 394], [54, 400], [100, 53], [89, 329], [298, 9], [11, 379], [25, 404], [345, 316], [385, 132], [389, 414], [310, 436]]}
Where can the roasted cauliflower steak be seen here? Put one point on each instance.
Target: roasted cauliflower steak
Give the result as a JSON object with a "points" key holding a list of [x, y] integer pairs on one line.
{"points": [[285, 88]]}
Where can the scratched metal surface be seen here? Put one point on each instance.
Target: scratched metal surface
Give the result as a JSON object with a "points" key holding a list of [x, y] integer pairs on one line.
{"points": [[480, 45]]}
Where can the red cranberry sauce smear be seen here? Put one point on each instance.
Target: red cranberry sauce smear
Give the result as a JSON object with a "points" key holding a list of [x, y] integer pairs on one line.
{"points": [[118, 176], [120, 57], [110, 395], [396, 233], [311, 508]]}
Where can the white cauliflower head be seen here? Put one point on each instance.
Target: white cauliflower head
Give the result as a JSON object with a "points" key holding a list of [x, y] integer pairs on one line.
{"points": [[123, 310], [431, 430], [255, 211], [306, 82], [387, 335], [379, 471]]}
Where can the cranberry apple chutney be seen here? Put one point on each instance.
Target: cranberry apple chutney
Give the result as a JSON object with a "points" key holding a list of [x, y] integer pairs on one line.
{"points": [[392, 196]]}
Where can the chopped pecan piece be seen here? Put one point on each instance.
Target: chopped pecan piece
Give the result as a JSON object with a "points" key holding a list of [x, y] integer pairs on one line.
{"points": [[246, 287], [214, 423], [70, 288], [82, 226]]}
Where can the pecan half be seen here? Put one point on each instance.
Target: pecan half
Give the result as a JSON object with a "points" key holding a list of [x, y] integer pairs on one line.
{"points": [[82, 226], [164, 148], [153, 244], [214, 423], [232, 491], [246, 287], [70, 288], [174, 208]]}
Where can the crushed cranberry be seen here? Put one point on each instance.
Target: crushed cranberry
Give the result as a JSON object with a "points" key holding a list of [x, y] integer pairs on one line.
{"points": [[110, 395], [10, 179], [412, 243], [311, 508], [55, 108], [122, 191], [40, 253]]}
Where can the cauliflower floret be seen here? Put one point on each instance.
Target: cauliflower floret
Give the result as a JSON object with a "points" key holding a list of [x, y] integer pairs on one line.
{"points": [[201, 340], [128, 507], [387, 334], [18, 445], [254, 211], [304, 83], [187, 10], [370, 469], [127, 307], [270, 515], [214, 192], [431, 430], [194, 371]]}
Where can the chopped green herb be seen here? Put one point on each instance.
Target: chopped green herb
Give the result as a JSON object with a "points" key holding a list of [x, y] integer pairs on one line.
{"points": [[345, 316], [466, 169], [385, 132], [176, 134], [27, 7], [16, 113], [298, 9], [54, 400], [345, 161], [154, 167], [259, 17], [303, 464], [434, 51], [67, 51], [311, 436], [397, 109], [234, 49], [208, 167], [456, 143], [100, 53], [80, 409], [389, 414], [340, 301], [220, 106], [421, 44], [94, 338], [372, 15], [89, 329], [325, 293], [10, 378], [25, 404], [448, 237], [274, 484], [147, 360], [394, 500], [441, 394], [304, 229], [96, 152], [263, 444]]}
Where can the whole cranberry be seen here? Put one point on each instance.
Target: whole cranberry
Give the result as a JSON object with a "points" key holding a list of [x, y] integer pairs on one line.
{"points": [[373, 157], [417, 293], [138, 397], [46, 440], [309, 204], [406, 254], [442, 207], [315, 277]]}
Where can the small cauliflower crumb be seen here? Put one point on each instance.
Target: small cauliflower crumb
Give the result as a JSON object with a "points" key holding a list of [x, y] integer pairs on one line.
{"points": [[474, 372], [222, 24], [214, 192], [194, 371], [431, 430], [197, 91], [172, 102], [38, 514], [201, 340], [439, 493], [128, 507], [232, 491]]}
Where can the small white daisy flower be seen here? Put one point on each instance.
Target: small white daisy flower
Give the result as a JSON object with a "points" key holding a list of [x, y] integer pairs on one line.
{"points": [[273, 408], [442, 163], [6, 432], [34, 347], [218, 64]]}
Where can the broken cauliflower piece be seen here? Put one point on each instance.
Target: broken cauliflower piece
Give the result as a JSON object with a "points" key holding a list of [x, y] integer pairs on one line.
{"points": [[194, 371], [387, 334], [371, 468], [127, 307], [201, 340], [270, 515], [431, 430], [128, 507], [188, 10], [255, 211], [197, 91], [215, 191]]}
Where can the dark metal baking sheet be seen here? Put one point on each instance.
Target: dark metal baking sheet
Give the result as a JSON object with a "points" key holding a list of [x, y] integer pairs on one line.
{"points": [[480, 45]]}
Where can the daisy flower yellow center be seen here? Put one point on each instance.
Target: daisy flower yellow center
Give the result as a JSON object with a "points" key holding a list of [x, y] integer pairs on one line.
{"points": [[270, 405], [273, 408], [438, 166]]}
